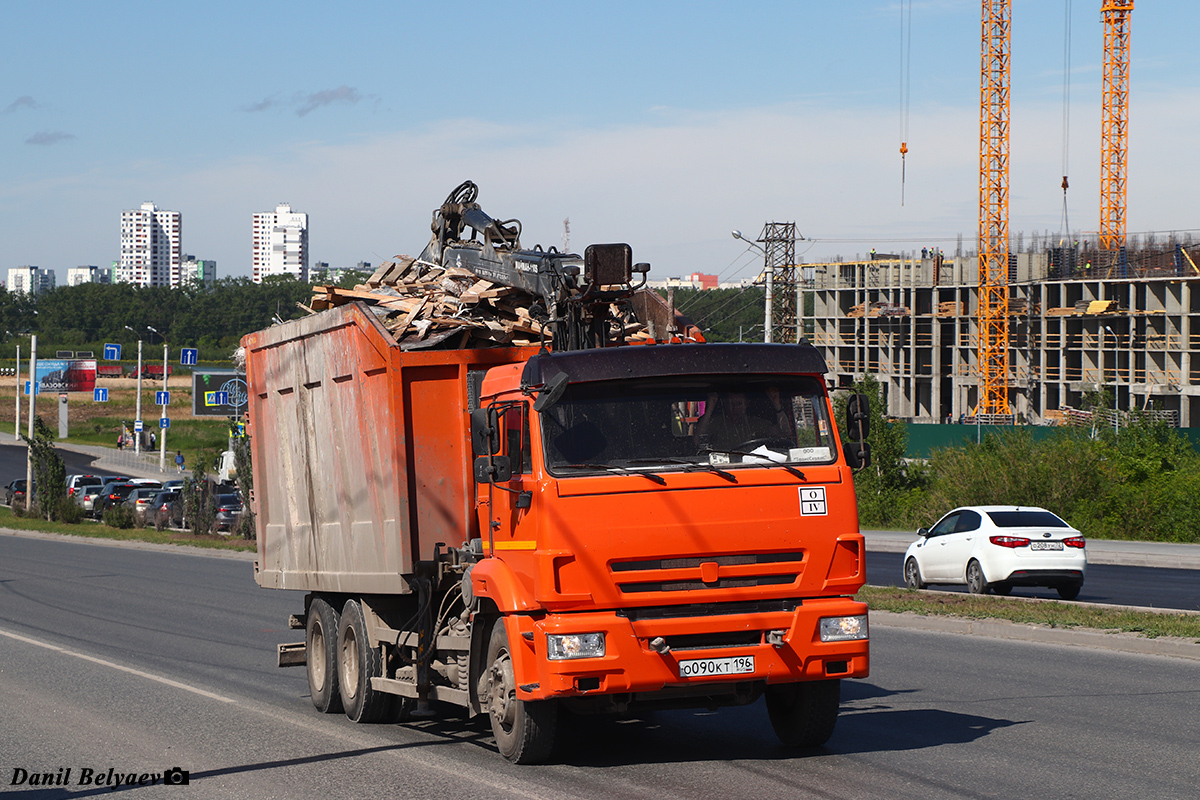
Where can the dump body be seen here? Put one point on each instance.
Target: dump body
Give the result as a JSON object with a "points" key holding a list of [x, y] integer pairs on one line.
{"points": [[340, 414]]}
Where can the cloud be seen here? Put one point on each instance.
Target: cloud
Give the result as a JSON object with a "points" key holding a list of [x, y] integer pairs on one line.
{"points": [[49, 137], [25, 101], [262, 105], [342, 94]]}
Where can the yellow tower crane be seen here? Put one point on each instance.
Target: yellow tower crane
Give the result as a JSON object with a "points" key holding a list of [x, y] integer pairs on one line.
{"points": [[993, 209], [1114, 123]]}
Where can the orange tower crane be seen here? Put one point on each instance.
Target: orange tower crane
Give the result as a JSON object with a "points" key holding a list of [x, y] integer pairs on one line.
{"points": [[1114, 123], [993, 209]]}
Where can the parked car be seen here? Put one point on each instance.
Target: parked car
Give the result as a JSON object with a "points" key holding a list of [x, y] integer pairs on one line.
{"points": [[140, 501], [162, 506], [996, 548], [229, 511], [110, 495], [76, 483], [87, 496], [15, 492]]}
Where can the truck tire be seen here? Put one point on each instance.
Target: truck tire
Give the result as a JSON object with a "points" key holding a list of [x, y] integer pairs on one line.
{"points": [[320, 644], [357, 663], [804, 714], [524, 731]]}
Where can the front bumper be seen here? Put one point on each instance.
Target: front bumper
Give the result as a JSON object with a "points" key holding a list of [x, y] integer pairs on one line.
{"points": [[632, 665]]}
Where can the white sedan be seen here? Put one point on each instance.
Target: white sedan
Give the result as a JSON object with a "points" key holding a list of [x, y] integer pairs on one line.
{"points": [[996, 548]]}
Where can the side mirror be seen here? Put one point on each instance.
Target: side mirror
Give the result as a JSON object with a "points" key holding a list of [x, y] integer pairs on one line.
{"points": [[493, 469], [551, 392], [485, 432], [858, 418], [922, 532], [858, 454]]}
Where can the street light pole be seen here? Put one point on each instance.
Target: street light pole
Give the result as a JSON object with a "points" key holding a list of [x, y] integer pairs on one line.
{"points": [[137, 435], [32, 411], [769, 270], [17, 426], [162, 431]]}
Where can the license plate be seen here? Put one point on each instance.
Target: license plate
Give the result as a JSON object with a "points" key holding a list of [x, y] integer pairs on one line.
{"points": [[1045, 545], [709, 667]]}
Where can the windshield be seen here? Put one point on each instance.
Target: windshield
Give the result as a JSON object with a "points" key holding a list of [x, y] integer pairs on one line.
{"points": [[683, 422]]}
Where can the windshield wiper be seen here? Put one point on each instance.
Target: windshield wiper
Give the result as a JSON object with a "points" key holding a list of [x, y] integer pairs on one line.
{"points": [[688, 466], [659, 479]]}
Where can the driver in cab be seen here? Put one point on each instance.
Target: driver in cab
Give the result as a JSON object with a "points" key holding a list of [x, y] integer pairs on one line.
{"points": [[742, 421]]}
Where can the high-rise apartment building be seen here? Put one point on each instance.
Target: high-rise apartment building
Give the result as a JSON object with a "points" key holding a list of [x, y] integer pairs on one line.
{"points": [[151, 246], [280, 244], [30, 280], [198, 271], [88, 274]]}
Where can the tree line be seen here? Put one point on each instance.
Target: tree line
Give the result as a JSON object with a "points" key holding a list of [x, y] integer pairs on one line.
{"points": [[1138, 482], [211, 317]]}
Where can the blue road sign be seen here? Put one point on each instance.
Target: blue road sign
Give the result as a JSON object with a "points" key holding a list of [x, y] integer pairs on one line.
{"points": [[137, 426], [37, 390], [112, 352], [219, 398], [164, 422], [100, 395], [162, 398], [188, 356]]}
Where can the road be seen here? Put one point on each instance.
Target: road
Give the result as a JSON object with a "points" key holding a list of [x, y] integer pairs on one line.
{"points": [[142, 660], [1105, 583]]}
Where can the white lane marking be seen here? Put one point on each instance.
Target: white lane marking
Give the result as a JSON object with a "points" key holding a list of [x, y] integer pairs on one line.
{"points": [[130, 670]]}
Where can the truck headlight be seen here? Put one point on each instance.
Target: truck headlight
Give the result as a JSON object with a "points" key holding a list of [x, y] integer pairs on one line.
{"points": [[843, 629], [560, 646]]}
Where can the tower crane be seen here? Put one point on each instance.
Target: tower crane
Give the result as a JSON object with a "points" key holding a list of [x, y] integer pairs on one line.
{"points": [[1114, 123], [993, 208]]}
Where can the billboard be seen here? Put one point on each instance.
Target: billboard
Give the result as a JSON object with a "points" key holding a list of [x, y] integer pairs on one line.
{"points": [[66, 375], [218, 393]]}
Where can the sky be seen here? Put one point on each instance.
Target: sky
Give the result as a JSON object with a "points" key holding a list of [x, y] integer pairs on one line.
{"points": [[662, 124]]}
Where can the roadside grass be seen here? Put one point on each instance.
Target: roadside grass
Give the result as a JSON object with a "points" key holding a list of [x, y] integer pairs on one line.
{"points": [[1051, 613], [98, 530]]}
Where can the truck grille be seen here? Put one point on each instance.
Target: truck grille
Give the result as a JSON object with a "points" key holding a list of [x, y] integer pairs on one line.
{"points": [[707, 572]]}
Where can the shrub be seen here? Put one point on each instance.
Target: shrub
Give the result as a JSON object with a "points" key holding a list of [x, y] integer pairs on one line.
{"points": [[69, 511], [119, 516]]}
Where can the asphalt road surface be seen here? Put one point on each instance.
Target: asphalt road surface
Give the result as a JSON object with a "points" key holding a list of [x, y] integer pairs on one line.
{"points": [[1105, 583], [140, 660]]}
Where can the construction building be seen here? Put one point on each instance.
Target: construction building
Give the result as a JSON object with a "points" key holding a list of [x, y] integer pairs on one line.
{"points": [[1131, 329]]}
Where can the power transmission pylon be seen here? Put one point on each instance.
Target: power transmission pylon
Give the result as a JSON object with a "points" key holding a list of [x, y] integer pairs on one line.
{"points": [[779, 263]]}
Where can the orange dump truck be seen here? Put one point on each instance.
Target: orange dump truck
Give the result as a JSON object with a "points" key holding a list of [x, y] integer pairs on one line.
{"points": [[513, 531], [603, 528]]}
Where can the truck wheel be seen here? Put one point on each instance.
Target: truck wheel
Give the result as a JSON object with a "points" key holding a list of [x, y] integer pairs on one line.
{"points": [[524, 730], [803, 714], [357, 663], [320, 638]]}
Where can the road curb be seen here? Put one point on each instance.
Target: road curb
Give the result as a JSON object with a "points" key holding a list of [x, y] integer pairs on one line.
{"points": [[182, 549], [1018, 631]]}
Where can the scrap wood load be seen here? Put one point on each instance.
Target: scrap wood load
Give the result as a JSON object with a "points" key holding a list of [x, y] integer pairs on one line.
{"points": [[427, 306]]}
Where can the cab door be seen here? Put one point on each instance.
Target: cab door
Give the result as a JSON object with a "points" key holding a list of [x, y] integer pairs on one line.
{"points": [[513, 524]]}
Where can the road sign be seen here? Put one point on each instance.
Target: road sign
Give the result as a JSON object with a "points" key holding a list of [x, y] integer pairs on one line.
{"points": [[162, 398], [112, 352], [37, 389], [188, 356], [137, 426], [100, 395], [164, 422], [219, 398]]}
